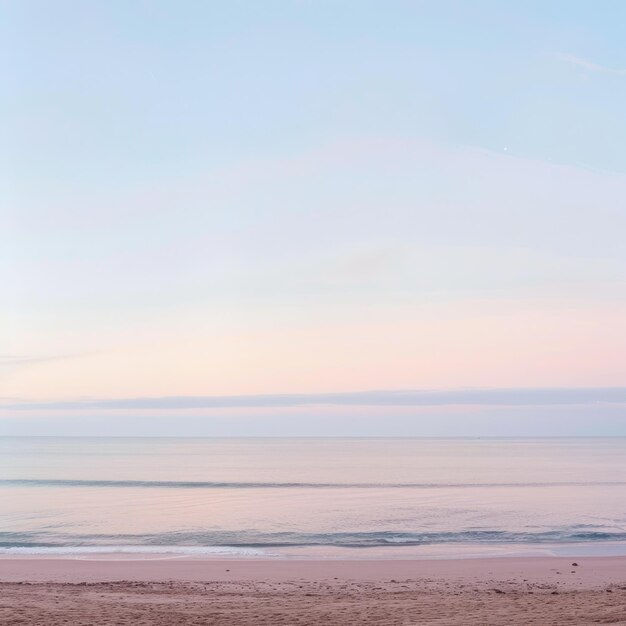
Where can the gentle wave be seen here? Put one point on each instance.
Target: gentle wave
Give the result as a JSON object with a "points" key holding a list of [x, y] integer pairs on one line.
{"points": [[234, 541], [186, 484]]}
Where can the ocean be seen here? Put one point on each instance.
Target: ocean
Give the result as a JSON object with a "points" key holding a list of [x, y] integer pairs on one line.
{"points": [[328, 498]]}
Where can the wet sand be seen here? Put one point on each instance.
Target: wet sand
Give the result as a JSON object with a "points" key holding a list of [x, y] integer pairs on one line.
{"points": [[121, 590]]}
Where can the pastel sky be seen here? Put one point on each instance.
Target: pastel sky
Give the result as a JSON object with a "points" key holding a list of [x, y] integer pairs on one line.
{"points": [[313, 218]]}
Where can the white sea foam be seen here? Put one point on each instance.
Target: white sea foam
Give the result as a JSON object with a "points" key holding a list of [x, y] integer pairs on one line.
{"points": [[180, 550]]}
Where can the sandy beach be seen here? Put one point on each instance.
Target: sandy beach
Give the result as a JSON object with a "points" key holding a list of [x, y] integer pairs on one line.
{"points": [[122, 590]]}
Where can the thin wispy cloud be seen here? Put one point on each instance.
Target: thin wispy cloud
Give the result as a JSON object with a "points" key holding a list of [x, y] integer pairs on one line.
{"points": [[12, 359], [11, 362], [590, 65], [479, 397], [24, 359]]}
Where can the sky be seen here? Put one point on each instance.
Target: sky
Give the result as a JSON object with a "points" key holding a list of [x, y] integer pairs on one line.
{"points": [[304, 218]]}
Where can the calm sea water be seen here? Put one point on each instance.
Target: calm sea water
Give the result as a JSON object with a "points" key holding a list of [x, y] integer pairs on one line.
{"points": [[328, 497]]}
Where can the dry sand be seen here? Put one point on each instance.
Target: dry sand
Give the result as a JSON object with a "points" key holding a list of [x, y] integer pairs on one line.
{"points": [[183, 591]]}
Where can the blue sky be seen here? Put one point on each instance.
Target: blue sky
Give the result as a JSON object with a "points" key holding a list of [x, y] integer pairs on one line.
{"points": [[121, 92], [231, 199]]}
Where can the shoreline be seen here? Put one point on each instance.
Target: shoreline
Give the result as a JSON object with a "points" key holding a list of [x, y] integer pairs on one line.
{"points": [[588, 573], [517, 591]]}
